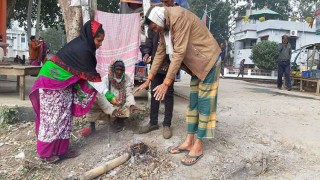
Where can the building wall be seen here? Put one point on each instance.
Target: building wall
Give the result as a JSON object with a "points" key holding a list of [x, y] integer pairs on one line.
{"points": [[274, 30], [18, 43]]}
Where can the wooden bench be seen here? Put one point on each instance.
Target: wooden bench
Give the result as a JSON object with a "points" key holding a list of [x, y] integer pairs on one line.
{"points": [[21, 72], [301, 79]]}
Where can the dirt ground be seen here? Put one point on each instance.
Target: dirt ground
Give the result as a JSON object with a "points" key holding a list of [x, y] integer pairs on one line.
{"points": [[262, 133]]}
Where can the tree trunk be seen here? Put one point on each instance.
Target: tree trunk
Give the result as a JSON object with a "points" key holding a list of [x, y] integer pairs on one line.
{"points": [[10, 9], [72, 18], [29, 25], [94, 4], [93, 8], [38, 19]]}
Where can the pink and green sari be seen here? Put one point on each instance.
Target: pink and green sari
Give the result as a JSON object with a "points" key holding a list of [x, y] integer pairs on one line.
{"points": [[57, 96]]}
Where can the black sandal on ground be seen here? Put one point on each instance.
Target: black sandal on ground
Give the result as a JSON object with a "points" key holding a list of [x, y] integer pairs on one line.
{"points": [[195, 160]]}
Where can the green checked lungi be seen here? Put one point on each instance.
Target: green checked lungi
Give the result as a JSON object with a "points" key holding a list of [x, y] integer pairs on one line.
{"points": [[201, 114]]}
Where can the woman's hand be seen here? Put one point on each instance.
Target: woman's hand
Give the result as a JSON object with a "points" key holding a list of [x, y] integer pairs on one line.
{"points": [[116, 113], [114, 101]]}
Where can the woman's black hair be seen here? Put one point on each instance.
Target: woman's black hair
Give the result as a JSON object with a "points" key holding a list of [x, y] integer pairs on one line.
{"points": [[99, 32]]}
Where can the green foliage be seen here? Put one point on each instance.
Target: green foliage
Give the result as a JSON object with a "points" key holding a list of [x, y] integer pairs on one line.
{"points": [[282, 7], [305, 8], [55, 39], [264, 55], [110, 6], [10, 11], [8, 115], [220, 16], [51, 15]]}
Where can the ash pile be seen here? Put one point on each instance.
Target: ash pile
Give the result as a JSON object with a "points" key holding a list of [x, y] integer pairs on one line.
{"points": [[145, 162]]}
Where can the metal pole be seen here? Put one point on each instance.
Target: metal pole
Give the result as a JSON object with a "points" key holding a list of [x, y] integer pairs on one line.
{"points": [[210, 20], [85, 11], [146, 6]]}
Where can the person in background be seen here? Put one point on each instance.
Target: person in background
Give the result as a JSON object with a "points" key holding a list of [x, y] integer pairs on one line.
{"points": [[118, 83], [3, 48], [190, 46], [16, 59], [43, 51], [23, 60], [284, 57], [66, 86], [223, 54], [241, 69], [34, 48], [150, 49]]}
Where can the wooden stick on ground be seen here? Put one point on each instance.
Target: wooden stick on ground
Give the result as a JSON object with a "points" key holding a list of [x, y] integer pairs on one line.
{"points": [[93, 173]]}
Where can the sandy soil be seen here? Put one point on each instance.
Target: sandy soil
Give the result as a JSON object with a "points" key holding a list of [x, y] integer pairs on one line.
{"points": [[262, 133]]}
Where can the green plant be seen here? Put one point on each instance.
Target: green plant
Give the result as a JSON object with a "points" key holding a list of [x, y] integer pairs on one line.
{"points": [[264, 55], [294, 18], [245, 18], [309, 19], [8, 115], [138, 116]]}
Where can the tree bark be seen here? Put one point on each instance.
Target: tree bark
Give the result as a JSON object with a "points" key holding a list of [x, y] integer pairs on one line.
{"points": [[72, 18], [29, 25], [10, 9], [38, 19]]}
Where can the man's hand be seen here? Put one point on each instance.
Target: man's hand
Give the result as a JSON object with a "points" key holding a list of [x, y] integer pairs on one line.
{"points": [[145, 85], [114, 101], [160, 91], [145, 58]]}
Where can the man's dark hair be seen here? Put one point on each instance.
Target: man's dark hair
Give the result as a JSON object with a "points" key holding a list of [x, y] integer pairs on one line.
{"points": [[32, 37]]}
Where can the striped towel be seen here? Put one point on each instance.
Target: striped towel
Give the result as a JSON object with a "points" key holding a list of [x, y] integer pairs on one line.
{"points": [[122, 40]]}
